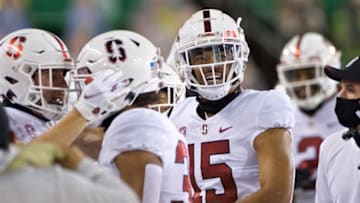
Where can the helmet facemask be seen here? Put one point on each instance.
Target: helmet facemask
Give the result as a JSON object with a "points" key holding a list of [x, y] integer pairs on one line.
{"points": [[306, 84], [301, 69], [213, 70], [48, 93]]}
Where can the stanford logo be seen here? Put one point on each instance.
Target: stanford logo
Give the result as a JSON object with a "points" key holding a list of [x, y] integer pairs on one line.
{"points": [[204, 130], [116, 50], [30, 130], [15, 47], [182, 130]]}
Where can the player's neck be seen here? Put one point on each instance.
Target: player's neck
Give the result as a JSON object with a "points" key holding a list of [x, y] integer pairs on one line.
{"points": [[207, 108]]}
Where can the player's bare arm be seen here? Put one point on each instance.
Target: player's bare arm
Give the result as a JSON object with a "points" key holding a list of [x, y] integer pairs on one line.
{"points": [[131, 166], [63, 133], [276, 167]]}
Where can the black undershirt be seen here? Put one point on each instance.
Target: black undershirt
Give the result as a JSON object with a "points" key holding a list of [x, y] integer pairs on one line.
{"points": [[213, 107]]}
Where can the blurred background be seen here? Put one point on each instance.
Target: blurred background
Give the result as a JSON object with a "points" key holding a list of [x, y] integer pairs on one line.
{"points": [[268, 24]]}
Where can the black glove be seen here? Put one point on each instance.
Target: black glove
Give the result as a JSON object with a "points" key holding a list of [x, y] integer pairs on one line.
{"points": [[303, 178]]}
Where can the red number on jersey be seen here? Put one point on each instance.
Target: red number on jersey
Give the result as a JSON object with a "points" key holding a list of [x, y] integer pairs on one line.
{"points": [[210, 171], [181, 155], [311, 164]]}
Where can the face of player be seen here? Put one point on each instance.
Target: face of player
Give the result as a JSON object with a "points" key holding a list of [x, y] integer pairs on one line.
{"points": [[208, 72], [52, 96], [349, 90], [302, 75]]}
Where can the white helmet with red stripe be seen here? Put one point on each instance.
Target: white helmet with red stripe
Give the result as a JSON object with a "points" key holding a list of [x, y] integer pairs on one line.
{"points": [[301, 69], [33, 65], [214, 32]]}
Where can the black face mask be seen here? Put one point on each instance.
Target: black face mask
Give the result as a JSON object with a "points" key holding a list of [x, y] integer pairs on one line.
{"points": [[348, 112]]}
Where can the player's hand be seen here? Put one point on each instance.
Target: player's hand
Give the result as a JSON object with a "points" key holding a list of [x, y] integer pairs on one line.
{"points": [[73, 156], [303, 177], [101, 94], [37, 155]]}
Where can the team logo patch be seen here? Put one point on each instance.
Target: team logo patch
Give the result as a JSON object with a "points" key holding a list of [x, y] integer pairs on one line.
{"points": [[116, 51], [30, 130], [205, 130], [182, 130]]}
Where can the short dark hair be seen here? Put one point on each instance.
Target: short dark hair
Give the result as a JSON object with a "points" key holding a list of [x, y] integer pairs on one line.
{"points": [[5, 129]]}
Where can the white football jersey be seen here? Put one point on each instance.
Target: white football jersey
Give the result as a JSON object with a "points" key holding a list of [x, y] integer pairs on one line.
{"points": [[26, 126], [148, 130], [308, 133], [338, 178], [223, 161]]}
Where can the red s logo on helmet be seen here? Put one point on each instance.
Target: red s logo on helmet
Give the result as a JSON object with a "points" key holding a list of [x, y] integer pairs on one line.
{"points": [[114, 48], [15, 47]]}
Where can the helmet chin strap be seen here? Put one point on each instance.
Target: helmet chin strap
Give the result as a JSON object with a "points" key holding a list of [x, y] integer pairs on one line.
{"points": [[214, 93]]}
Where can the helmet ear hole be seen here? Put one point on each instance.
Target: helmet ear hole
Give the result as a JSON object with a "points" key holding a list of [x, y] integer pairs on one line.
{"points": [[83, 70], [32, 97], [26, 69]]}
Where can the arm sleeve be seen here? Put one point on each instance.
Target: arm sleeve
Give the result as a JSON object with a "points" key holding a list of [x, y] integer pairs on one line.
{"points": [[134, 130], [275, 111], [322, 190], [152, 183]]}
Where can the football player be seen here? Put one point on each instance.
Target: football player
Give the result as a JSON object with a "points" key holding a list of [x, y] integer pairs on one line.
{"points": [[140, 145], [301, 73], [34, 63], [238, 139]]}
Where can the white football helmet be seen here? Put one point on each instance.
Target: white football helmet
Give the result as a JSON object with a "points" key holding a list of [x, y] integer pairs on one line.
{"points": [[33, 65], [123, 51], [301, 69], [211, 53]]}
